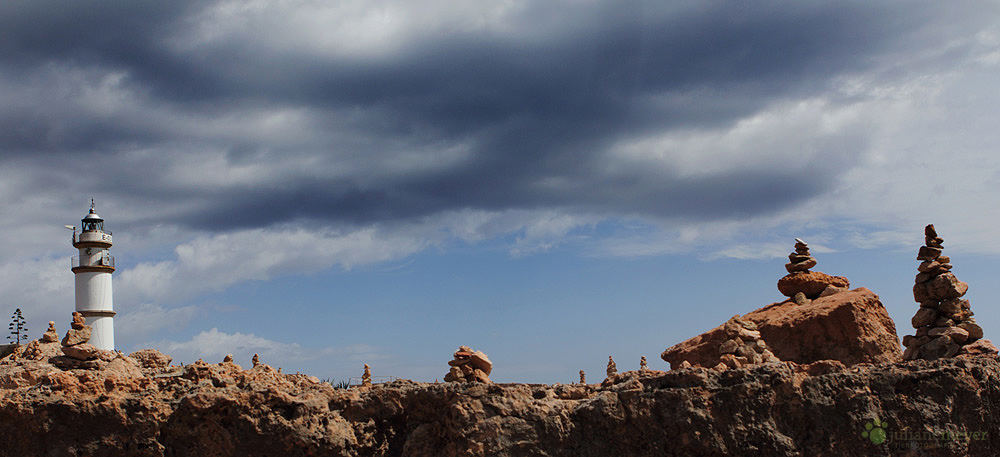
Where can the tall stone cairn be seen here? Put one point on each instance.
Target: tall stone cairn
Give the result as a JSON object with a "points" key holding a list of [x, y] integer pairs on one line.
{"points": [[944, 321], [612, 369]]}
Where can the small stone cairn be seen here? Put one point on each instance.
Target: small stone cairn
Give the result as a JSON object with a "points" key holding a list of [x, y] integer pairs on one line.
{"points": [[366, 377], [51, 335], [801, 259], [642, 364], [79, 352], [469, 366], [944, 322], [583, 377], [612, 369], [803, 285], [743, 346]]}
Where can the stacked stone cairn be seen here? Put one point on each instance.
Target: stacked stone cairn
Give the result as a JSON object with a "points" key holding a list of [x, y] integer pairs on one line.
{"points": [[944, 321], [78, 352], [366, 377], [803, 285], [612, 369], [801, 259], [469, 366], [743, 346], [50, 335]]}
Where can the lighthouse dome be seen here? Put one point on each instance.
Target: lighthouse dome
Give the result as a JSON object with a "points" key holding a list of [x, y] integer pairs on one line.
{"points": [[92, 217]]}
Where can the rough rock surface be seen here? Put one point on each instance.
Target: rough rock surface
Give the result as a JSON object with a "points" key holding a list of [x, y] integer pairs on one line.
{"points": [[810, 283], [851, 327], [780, 409]]}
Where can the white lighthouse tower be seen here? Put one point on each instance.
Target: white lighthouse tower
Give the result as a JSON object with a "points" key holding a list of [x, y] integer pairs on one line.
{"points": [[93, 268]]}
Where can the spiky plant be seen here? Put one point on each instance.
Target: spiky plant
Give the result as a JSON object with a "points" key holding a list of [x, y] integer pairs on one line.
{"points": [[17, 327]]}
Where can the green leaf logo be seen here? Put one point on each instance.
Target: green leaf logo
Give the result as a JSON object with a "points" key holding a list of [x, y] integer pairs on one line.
{"points": [[875, 431]]}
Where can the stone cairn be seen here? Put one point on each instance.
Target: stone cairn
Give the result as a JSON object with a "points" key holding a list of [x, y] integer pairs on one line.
{"points": [[51, 335], [583, 377], [79, 353], [803, 285], [944, 321], [469, 366], [612, 367], [801, 259], [642, 364], [743, 346], [366, 377]]}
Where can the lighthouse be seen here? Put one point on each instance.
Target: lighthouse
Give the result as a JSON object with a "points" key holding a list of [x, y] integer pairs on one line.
{"points": [[92, 269]]}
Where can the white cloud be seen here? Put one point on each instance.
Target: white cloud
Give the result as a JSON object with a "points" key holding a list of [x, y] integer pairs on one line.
{"points": [[213, 345], [136, 323], [212, 263]]}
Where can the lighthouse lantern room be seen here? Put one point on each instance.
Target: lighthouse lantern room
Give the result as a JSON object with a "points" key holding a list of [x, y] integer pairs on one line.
{"points": [[92, 269]]}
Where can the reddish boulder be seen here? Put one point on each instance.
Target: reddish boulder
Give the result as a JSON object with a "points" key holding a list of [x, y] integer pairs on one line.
{"points": [[851, 327], [810, 283]]}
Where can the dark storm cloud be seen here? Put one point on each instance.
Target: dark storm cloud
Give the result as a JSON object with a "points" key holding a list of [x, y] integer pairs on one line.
{"points": [[528, 109]]}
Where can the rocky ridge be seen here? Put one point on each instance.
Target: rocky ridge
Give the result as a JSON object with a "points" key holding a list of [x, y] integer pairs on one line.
{"points": [[780, 409]]}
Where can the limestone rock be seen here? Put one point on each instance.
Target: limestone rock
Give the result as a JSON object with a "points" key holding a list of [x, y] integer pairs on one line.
{"points": [[84, 351], [924, 316], [765, 410], [975, 331], [851, 327], [481, 362], [810, 283], [75, 336], [151, 358], [979, 348]]}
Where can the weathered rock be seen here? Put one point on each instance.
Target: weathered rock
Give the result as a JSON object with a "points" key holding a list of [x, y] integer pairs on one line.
{"points": [[851, 327], [957, 334], [729, 346], [481, 362], [76, 336], [975, 331], [928, 253], [810, 283], [941, 287], [800, 266], [939, 347], [979, 348], [151, 358], [776, 410], [950, 306], [84, 351], [924, 316]]}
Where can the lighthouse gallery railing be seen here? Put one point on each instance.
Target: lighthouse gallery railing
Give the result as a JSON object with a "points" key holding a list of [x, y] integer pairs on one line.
{"points": [[102, 261]]}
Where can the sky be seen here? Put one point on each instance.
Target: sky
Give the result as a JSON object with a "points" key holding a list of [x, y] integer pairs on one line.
{"points": [[552, 182]]}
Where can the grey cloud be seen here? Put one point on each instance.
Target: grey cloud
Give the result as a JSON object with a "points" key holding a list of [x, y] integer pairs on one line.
{"points": [[526, 110]]}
